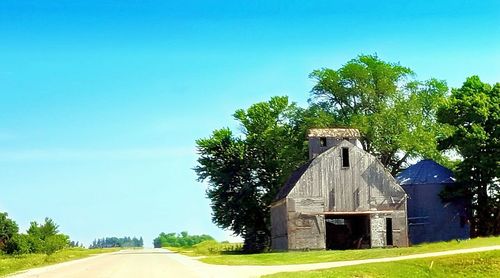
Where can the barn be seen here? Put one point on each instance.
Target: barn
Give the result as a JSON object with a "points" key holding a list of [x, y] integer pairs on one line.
{"points": [[342, 198], [429, 218]]}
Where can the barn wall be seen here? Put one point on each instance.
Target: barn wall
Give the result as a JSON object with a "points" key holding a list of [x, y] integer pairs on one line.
{"points": [[306, 223], [306, 231], [377, 226], [279, 224], [363, 186], [400, 228], [379, 232]]}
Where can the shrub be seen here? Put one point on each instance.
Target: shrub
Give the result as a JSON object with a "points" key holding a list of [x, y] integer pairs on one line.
{"points": [[18, 244], [212, 247], [54, 243]]}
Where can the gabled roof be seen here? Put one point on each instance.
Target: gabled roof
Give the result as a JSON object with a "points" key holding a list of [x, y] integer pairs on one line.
{"points": [[425, 172], [292, 180]]}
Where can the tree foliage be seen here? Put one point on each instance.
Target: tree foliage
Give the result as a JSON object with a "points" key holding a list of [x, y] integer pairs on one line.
{"points": [[43, 231], [179, 240], [244, 172], [40, 238], [19, 244], [8, 228], [394, 112], [474, 113]]}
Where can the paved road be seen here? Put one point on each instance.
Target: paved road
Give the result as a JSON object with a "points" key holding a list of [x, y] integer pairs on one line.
{"points": [[163, 263]]}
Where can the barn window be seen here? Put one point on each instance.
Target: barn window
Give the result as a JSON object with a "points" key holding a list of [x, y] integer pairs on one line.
{"points": [[345, 157], [322, 141]]}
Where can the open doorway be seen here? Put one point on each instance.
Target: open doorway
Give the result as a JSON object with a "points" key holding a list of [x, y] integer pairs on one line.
{"points": [[347, 231]]}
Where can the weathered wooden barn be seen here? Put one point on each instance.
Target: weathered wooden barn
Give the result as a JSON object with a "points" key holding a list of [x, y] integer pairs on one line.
{"points": [[430, 218], [342, 198]]}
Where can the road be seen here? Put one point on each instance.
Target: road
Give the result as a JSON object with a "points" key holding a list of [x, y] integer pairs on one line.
{"points": [[163, 263]]}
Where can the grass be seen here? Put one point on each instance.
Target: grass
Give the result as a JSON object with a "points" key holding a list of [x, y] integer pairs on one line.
{"points": [[208, 248], [304, 257], [13, 263], [481, 264]]}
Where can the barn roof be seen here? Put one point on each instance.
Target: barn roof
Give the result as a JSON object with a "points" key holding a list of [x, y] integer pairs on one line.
{"points": [[334, 132], [425, 172], [292, 180]]}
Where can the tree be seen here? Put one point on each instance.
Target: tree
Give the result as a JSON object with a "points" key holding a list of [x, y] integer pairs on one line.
{"points": [[8, 228], [474, 113], [395, 114], [245, 172], [45, 238]]}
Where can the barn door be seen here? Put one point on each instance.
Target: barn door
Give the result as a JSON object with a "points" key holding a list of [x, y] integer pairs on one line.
{"points": [[388, 231]]}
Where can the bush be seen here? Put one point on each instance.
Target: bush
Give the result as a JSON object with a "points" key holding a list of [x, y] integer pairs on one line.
{"points": [[54, 243], [18, 244], [212, 247]]}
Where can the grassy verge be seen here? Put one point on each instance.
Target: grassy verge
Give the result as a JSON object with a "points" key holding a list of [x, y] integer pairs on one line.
{"points": [[13, 263], [304, 257], [481, 264], [208, 248]]}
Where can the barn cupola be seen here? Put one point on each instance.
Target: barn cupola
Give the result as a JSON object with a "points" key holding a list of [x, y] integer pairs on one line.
{"points": [[321, 139]]}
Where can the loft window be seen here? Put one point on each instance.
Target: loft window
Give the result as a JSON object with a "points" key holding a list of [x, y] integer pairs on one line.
{"points": [[345, 157], [322, 141]]}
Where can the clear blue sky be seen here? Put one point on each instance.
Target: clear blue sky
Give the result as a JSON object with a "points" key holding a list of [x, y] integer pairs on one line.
{"points": [[101, 101]]}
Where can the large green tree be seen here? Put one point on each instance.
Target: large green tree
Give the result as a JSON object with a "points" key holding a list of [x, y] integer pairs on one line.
{"points": [[244, 171], [474, 112], [394, 112]]}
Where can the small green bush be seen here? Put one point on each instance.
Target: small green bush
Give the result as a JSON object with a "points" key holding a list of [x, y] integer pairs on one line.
{"points": [[212, 247], [54, 243]]}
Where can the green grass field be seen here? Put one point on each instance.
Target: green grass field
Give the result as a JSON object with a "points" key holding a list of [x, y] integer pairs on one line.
{"points": [[303, 257], [481, 264], [10, 263]]}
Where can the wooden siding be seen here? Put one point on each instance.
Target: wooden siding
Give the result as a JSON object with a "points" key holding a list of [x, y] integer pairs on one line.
{"points": [[279, 219], [306, 231], [365, 185]]}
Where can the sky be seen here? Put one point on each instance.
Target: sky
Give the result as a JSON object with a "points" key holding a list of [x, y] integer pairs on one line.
{"points": [[101, 101]]}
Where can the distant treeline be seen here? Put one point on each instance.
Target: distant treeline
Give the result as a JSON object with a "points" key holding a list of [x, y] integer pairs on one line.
{"points": [[110, 242], [179, 240]]}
